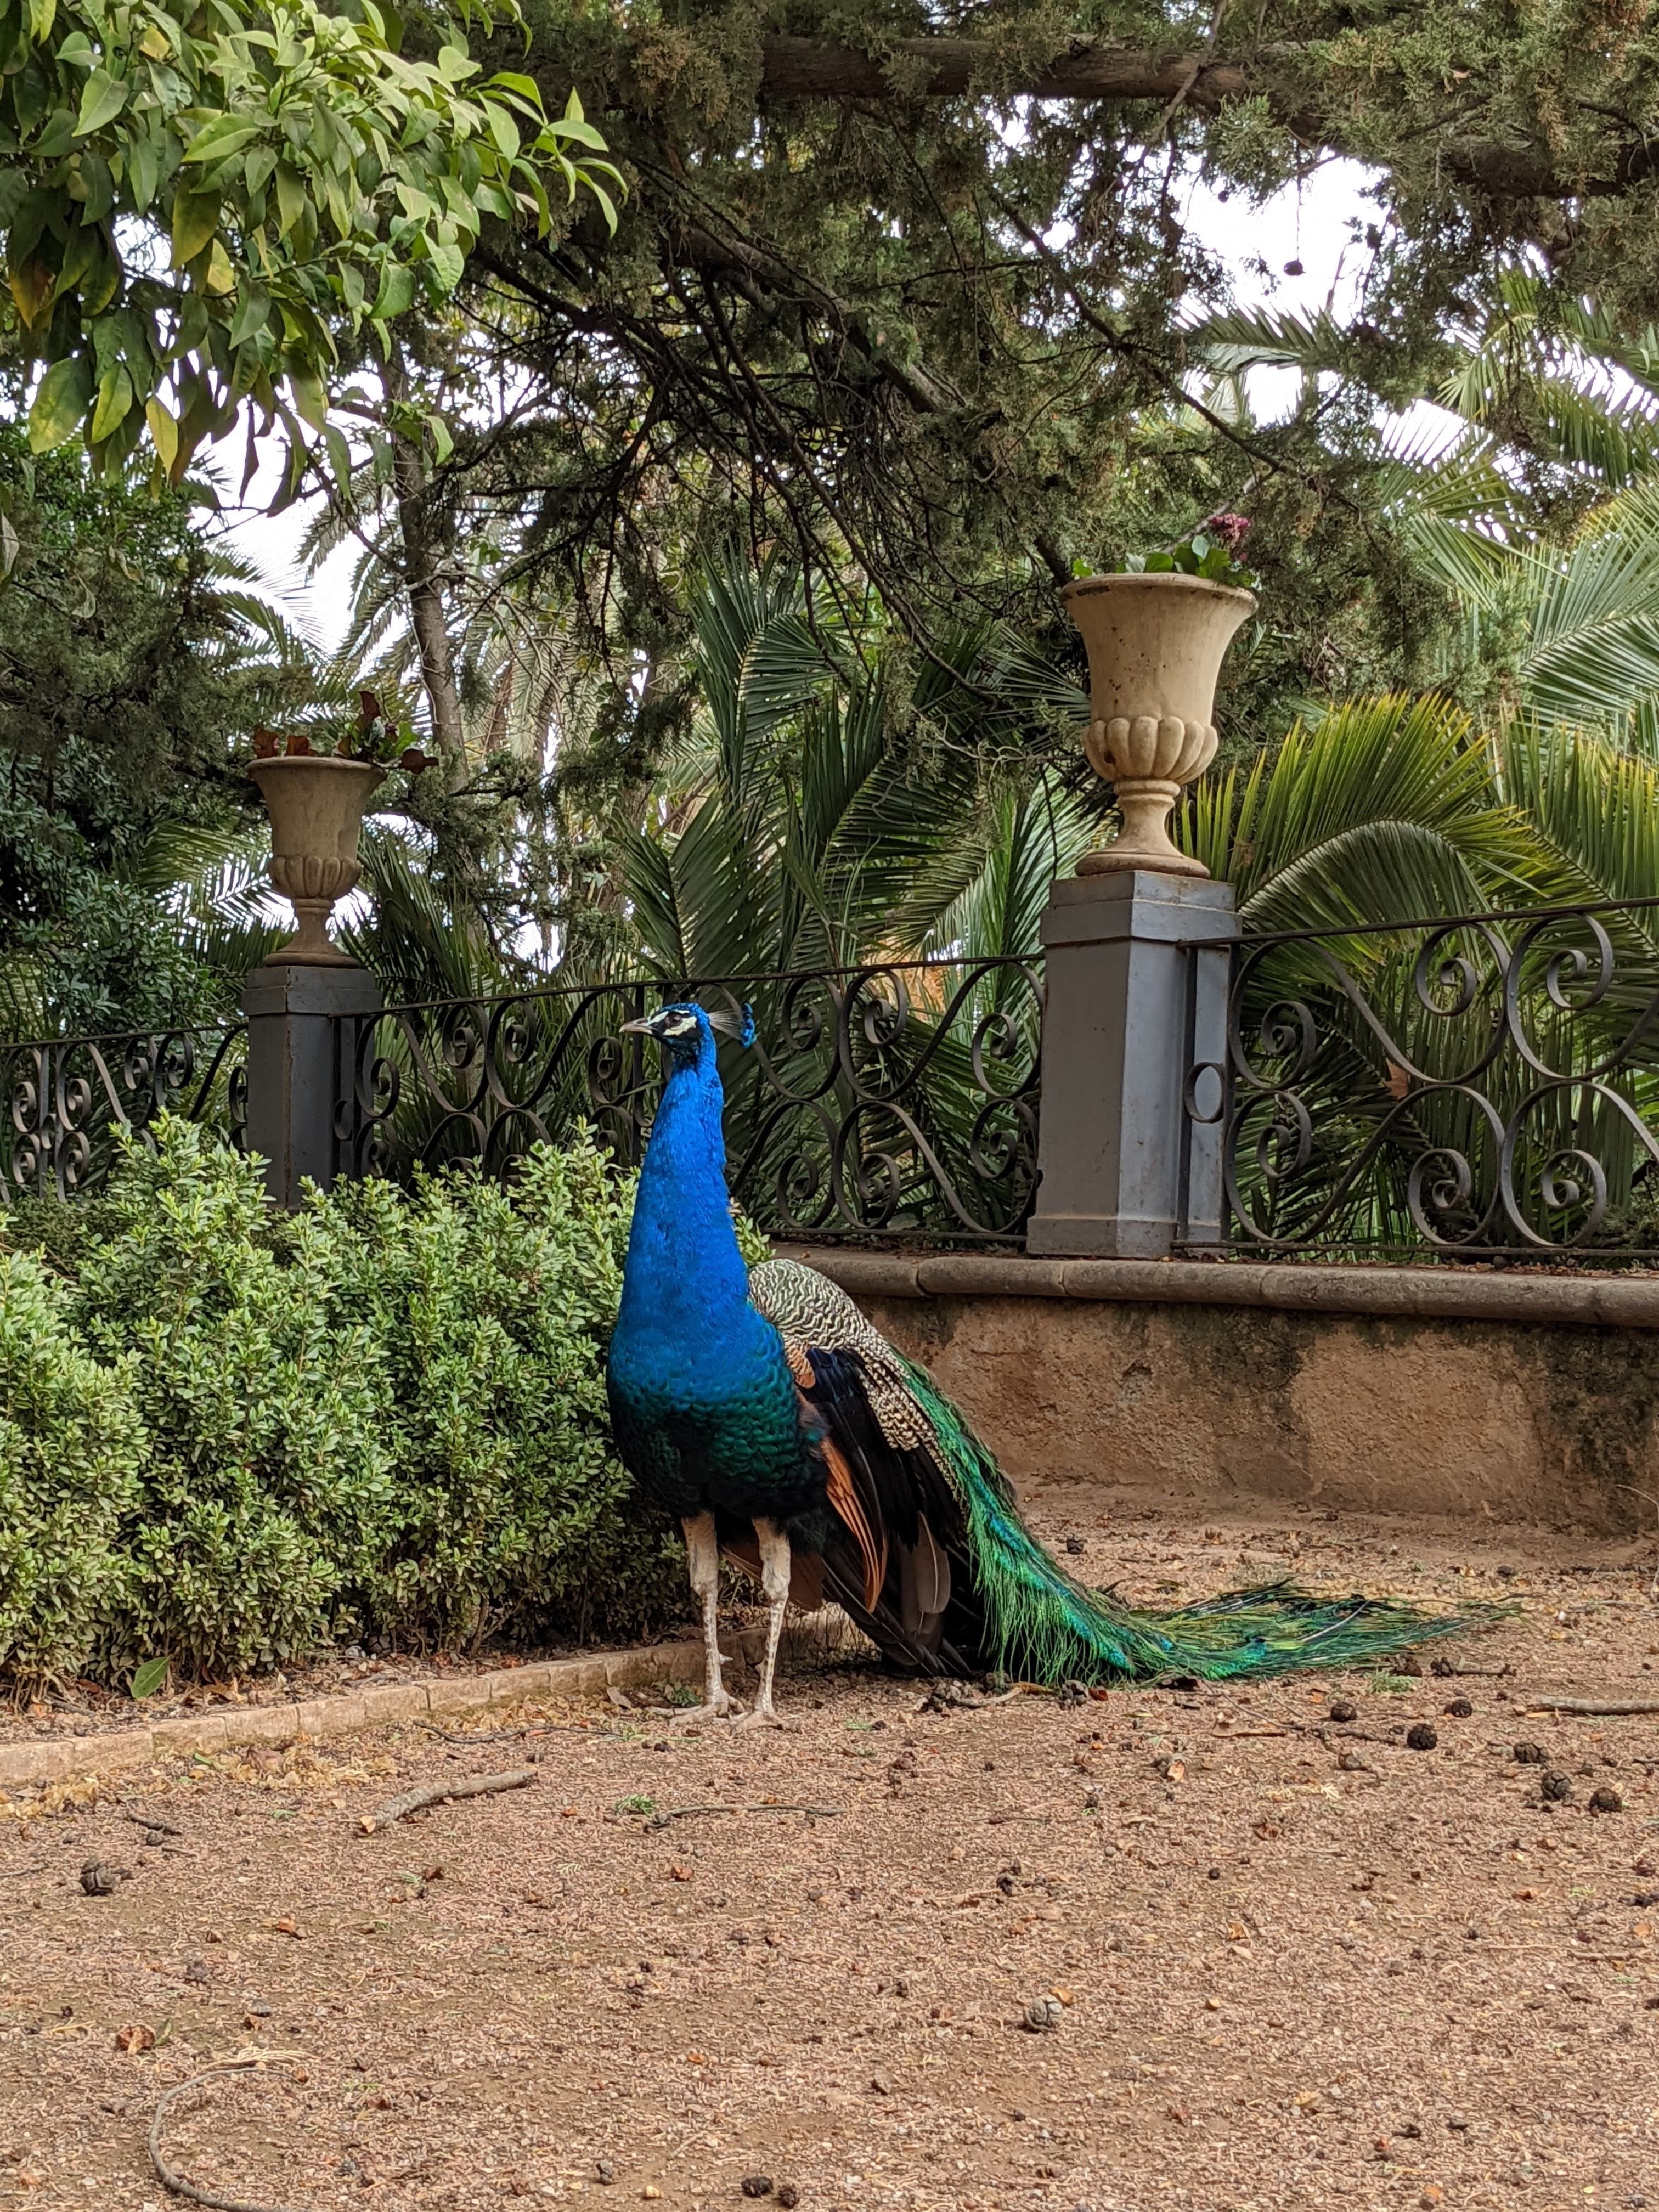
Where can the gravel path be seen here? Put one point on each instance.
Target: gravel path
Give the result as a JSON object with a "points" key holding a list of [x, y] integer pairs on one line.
{"points": [[1293, 1962]]}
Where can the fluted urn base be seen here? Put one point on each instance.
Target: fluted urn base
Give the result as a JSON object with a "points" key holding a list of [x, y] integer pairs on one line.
{"points": [[1144, 841]]}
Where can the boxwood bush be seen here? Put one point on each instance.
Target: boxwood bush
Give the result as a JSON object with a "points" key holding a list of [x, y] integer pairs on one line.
{"points": [[229, 1436], [71, 1448]]}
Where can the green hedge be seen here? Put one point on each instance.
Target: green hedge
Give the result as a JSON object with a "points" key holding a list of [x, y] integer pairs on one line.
{"points": [[229, 1436]]}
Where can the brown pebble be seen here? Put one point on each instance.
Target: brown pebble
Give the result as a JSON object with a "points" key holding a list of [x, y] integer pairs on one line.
{"points": [[1555, 1789], [1529, 1754], [1459, 1708], [1422, 1737], [1341, 1710], [756, 2185], [1605, 1801]]}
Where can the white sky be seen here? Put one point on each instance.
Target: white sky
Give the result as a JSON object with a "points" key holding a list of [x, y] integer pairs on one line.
{"points": [[1312, 223]]}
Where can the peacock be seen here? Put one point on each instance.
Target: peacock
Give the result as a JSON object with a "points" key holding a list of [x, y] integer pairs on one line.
{"points": [[766, 1413]]}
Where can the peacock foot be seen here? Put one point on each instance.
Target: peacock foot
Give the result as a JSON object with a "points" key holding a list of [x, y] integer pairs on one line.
{"points": [[765, 1716], [722, 1707]]}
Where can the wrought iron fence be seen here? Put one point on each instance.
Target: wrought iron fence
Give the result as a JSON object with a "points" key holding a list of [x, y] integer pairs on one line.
{"points": [[894, 1100], [1482, 1086], [66, 1096]]}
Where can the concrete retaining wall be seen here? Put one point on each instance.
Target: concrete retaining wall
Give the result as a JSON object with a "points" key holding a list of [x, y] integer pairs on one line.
{"points": [[1414, 1390]]}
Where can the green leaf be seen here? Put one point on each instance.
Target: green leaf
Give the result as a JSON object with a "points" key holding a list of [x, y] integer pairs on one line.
{"points": [[226, 134], [144, 171], [114, 398], [43, 14], [310, 396], [195, 219], [292, 199], [102, 101], [447, 261], [251, 314], [61, 401], [396, 291], [148, 1679], [502, 129], [163, 433], [339, 458], [607, 206]]}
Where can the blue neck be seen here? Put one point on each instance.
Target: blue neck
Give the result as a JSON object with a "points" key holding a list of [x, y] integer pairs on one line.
{"points": [[684, 1269]]}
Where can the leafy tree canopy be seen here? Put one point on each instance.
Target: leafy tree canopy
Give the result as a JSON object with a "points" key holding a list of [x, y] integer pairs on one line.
{"points": [[202, 207], [133, 661]]}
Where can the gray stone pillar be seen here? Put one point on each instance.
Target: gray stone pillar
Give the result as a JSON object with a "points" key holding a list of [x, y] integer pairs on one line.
{"points": [[1137, 968], [300, 1024]]}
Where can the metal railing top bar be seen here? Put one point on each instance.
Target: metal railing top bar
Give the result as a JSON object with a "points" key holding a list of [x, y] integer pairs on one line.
{"points": [[228, 1027], [1527, 916], [743, 977]]}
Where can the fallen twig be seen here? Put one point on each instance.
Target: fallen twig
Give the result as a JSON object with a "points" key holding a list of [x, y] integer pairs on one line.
{"points": [[1237, 1735], [148, 1821], [438, 1793], [485, 1735], [17, 1874], [670, 1813], [170, 2178], [1594, 1708]]}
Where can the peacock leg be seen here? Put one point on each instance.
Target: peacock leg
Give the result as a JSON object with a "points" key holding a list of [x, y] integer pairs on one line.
{"points": [[702, 1555], [774, 1587]]}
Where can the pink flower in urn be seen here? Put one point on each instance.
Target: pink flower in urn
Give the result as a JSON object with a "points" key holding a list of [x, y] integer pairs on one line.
{"points": [[1230, 530]]}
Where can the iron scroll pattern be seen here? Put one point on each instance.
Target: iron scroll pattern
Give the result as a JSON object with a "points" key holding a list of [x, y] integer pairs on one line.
{"points": [[1480, 1087], [890, 1101], [67, 1097]]}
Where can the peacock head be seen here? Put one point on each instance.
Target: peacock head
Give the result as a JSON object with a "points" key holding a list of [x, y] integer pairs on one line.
{"points": [[681, 1030], [684, 1030]]}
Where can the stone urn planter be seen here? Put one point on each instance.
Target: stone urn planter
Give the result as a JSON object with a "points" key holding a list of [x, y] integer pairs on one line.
{"points": [[1155, 646], [316, 803]]}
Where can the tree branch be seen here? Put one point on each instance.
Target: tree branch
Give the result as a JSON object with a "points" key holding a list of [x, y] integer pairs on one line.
{"points": [[1090, 68], [801, 68]]}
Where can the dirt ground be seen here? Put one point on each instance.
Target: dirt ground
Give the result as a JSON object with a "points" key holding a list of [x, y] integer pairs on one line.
{"points": [[1295, 1963]]}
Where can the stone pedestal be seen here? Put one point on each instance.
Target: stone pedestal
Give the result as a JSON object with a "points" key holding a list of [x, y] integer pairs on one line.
{"points": [[1137, 967], [302, 1017]]}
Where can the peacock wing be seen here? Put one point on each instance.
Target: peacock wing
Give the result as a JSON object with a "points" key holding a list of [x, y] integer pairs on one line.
{"points": [[898, 1560]]}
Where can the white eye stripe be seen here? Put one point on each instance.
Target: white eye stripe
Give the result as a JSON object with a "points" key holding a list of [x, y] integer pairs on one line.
{"points": [[681, 1024]]}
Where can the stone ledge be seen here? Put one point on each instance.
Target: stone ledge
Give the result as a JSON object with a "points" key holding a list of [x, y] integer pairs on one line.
{"points": [[61, 1759], [1384, 1293]]}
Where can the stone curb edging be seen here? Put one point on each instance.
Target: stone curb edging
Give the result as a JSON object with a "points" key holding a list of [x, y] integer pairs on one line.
{"points": [[1384, 1293], [59, 1758]]}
